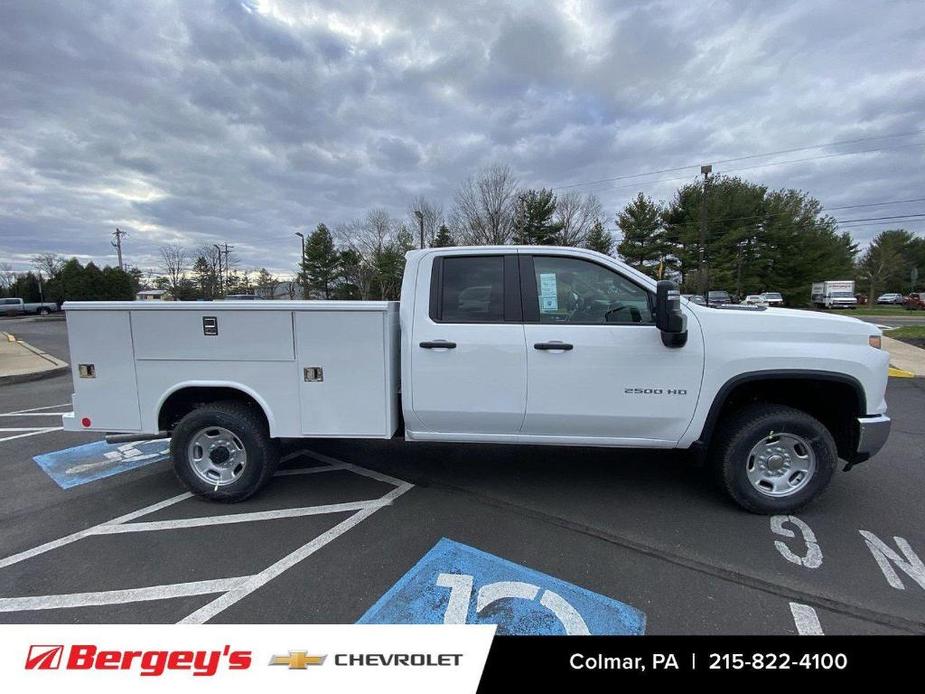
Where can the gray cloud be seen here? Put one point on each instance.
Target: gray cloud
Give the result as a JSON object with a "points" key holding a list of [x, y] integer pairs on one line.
{"points": [[246, 121]]}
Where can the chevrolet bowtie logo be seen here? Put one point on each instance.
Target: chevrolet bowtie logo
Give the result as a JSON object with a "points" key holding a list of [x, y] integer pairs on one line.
{"points": [[297, 660]]}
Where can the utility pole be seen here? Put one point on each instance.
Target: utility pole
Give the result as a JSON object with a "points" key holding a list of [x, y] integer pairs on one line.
{"points": [[220, 285], [706, 170], [117, 244], [228, 249], [301, 275], [420, 216]]}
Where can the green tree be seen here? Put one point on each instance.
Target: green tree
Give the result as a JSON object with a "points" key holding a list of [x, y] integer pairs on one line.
{"points": [[534, 218], [205, 277], [320, 267], [644, 245], [443, 239], [599, 239], [887, 264], [348, 285], [756, 240], [266, 283]]}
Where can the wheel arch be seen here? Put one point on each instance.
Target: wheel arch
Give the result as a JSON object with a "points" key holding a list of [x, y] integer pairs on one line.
{"points": [[835, 399], [182, 398]]}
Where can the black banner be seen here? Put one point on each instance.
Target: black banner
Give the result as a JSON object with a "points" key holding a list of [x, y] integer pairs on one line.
{"points": [[597, 663]]}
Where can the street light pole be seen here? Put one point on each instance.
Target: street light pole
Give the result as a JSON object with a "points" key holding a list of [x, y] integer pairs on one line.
{"points": [[221, 288], [302, 262], [706, 169], [420, 216]]}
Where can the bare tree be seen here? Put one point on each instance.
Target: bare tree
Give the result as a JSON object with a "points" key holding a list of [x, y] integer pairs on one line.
{"points": [[48, 264], [173, 262], [484, 207], [7, 276], [577, 214], [431, 215]]}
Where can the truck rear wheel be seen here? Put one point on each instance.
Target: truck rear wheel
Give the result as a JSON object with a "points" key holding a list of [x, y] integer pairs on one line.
{"points": [[773, 459], [223, 451]]}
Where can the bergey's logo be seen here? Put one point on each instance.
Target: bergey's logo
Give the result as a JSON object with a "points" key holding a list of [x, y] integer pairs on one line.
{"points": [[44, 657]]}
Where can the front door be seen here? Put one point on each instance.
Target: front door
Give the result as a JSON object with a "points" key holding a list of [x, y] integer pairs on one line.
{"points": [[596, 365], [468, 356]]}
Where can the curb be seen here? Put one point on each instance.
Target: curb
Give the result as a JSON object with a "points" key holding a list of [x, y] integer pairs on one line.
{"points": [[58, 367], [34, 376]]}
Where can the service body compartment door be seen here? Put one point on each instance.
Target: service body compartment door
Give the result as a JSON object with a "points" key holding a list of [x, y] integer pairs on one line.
{"points": [[110, 398], [347, 378]]}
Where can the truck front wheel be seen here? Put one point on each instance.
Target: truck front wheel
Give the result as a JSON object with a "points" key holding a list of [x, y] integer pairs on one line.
{"points": [[223, 451], [773, 459]]}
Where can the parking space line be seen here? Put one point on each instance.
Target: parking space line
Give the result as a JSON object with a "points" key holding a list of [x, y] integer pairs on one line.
{"points": [[372, 474], [223, 602], [116, 597], [806, 620], [33, 414], [46, 430], [232, 589], [35, 409], [74, 537], [238, 517], [23, 428]]}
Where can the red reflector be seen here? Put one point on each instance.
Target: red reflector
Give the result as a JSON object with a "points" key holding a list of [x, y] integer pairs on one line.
{"points": [[86, 421]]}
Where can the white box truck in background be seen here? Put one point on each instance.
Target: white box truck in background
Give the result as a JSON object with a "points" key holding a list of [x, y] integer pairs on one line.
{"points": [[834, 294], [494, 344]]}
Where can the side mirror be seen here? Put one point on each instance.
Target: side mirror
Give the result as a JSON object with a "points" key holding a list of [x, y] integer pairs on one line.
{"points": [[669, 318]]}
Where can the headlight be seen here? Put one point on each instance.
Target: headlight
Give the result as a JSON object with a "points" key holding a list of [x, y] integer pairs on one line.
{"points": [[874, 341]]}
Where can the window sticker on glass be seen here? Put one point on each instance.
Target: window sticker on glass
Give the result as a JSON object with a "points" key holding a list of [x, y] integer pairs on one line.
{"points": [[549, 297]]}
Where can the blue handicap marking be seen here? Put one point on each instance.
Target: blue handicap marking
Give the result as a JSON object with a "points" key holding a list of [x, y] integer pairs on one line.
{"points": [[457, 584], [93, 461]]}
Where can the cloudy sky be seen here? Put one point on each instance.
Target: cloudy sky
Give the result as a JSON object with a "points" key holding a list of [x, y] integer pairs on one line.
{"points": [[201, 121]]}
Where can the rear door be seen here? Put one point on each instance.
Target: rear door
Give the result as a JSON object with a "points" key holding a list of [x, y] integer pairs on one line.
{"points": [[596, 365], [468, 355]]}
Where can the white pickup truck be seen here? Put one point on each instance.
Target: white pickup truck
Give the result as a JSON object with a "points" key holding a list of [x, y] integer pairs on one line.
{"points": [[515, 345]]}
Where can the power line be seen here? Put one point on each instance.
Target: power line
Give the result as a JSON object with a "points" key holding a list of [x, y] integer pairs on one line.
{"points": [[744, 158]]}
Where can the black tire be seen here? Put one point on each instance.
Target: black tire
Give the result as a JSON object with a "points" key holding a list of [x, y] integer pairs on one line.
{"points": [[44, 311], [249, 427], [733, 443]]}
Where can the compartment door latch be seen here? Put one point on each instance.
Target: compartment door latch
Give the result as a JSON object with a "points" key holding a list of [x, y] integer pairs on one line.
{"points": [[313, 374]]}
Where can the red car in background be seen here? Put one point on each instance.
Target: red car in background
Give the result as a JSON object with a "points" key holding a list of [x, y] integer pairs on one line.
{"points": [[915, 301]]}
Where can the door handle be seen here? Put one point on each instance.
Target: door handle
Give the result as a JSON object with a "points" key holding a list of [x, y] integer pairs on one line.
{"points": [[564, 346], [438, 344]]}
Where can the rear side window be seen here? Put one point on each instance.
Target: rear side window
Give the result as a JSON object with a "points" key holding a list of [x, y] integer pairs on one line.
{"points": [[472, 289]]}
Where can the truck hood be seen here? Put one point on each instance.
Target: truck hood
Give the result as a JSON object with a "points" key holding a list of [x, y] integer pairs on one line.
{"points": [[776, 320]]}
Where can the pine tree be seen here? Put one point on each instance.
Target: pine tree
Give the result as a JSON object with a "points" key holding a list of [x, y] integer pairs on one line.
{"points": [[321, 261], [599, 239], [443, 239], [534, 223], [643, 244]]}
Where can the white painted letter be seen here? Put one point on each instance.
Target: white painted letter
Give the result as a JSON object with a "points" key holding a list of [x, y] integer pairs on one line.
{"points": [[884, 554], [813, 557], [460, 586]]}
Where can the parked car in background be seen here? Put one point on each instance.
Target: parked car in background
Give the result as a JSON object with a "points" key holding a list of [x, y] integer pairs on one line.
{"points": [[17, 307], [890, 298], [695, 298], [755, 300], [718, 298], [243, 297], [915, 301], [834, 294], [773, 298]]}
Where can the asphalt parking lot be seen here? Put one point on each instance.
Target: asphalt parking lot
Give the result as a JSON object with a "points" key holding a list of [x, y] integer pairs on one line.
{"points": [[344, 524]]}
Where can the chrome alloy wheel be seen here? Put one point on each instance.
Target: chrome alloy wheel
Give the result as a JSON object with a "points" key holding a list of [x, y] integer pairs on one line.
{"points": [[781, 464], [217, 456]]}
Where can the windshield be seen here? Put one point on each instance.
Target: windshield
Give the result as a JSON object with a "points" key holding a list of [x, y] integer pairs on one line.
{"points": [[772, 295]]}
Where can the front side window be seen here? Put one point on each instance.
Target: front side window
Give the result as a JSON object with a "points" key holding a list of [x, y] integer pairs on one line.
{"points": [[473, 289], [570, 290]]}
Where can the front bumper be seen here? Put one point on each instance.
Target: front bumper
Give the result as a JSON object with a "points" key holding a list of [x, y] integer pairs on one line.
{"points": [[872, 435]]}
